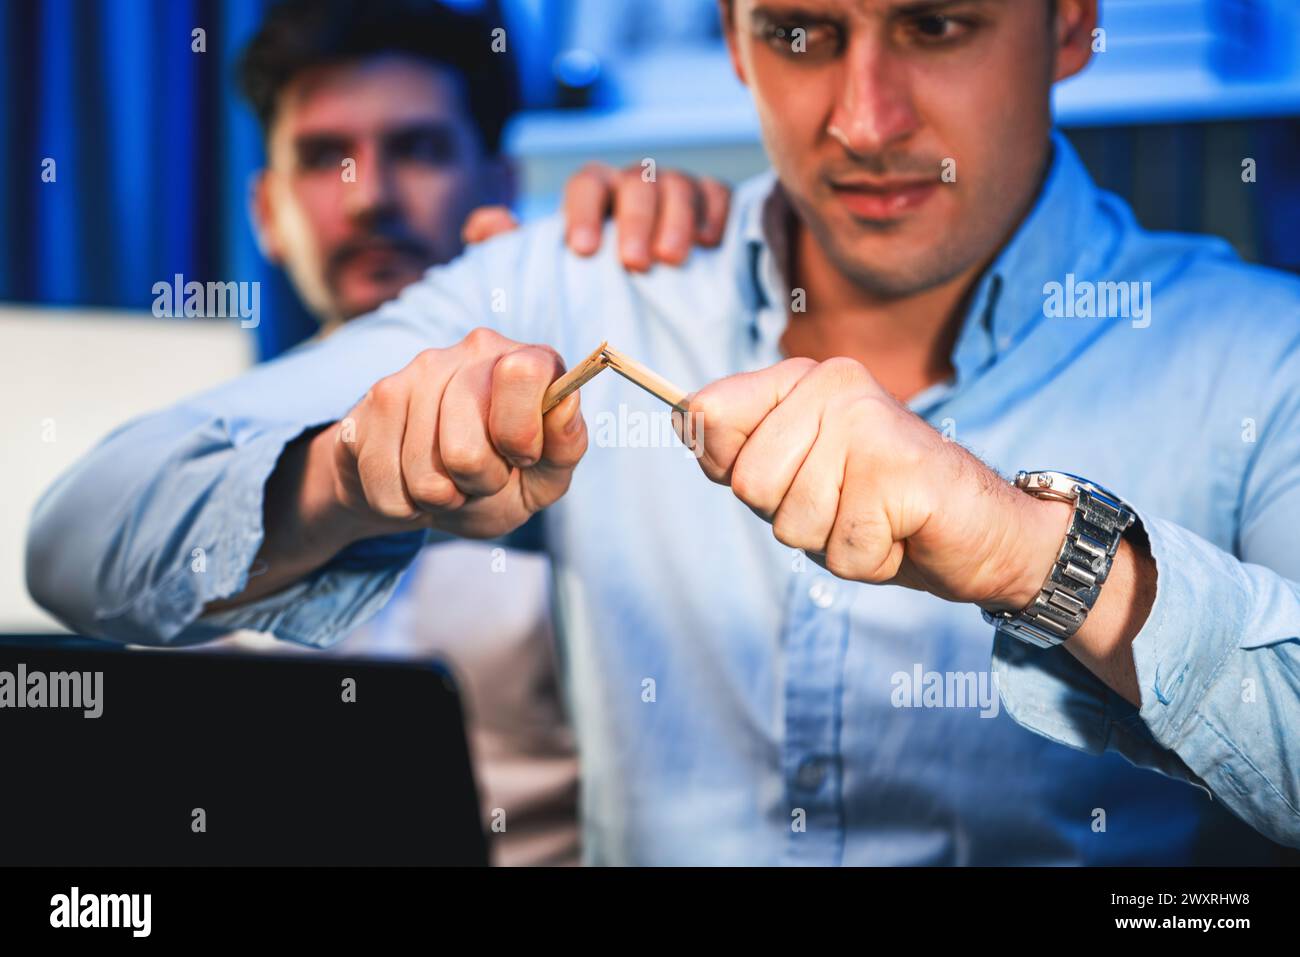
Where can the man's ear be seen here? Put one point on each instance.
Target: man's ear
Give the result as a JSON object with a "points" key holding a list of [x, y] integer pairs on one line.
{"points": [[1075, 22], [727, 11], [261, 213]]}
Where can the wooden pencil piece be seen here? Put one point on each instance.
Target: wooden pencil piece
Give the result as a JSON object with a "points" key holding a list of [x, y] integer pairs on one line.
{"points": [[575, 378], [652, 382], [605, 356]]}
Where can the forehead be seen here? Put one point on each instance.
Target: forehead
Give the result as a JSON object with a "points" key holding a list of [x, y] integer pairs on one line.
{"points": [[372, 93]]}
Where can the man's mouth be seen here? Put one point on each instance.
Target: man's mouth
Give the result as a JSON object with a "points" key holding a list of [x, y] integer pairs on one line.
{"points": [[378, 258], [381, 257], [884, 199]]}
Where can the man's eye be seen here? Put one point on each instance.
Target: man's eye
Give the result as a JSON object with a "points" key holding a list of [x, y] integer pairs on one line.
{"points": [[434, 148], [939, 28], [794, 39], [317, 156]]}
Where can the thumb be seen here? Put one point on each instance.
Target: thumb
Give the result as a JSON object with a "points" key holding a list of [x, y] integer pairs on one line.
{"points": [[564, 442], [725, 413]]}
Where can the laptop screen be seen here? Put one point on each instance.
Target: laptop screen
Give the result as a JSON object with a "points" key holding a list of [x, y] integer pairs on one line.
{"points": [[129, 757]]}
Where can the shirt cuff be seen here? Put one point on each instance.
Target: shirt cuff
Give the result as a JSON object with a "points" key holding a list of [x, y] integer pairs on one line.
{"points": [[1198, 650], [321, 610], [316, 613], [227, 469], [1192, 626]]}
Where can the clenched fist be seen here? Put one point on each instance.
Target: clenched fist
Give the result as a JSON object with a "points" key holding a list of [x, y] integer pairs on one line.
{"points": [[869, 490], [457, 441]]}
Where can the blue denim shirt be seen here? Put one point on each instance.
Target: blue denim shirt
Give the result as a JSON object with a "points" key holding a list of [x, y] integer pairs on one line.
{"points": [[733, 702]]}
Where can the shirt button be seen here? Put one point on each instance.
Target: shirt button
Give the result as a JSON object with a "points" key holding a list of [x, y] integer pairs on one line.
{"points": [[822, 592], [812, 772]]}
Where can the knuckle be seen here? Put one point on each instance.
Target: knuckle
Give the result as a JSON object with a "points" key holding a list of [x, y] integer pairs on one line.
{"points": [[839, 562], [859, 413], [712, 470], [390, 507], [784, 531], [386, 393], [842, 370], [675, 183], [516, 439], [526, 363], [631, 173], [750, 485], [481, 338], [384, 501], [466, 460], [434, 492], [706, 407], [428, 360], [800, 365], [593, 169], [379, 488]]}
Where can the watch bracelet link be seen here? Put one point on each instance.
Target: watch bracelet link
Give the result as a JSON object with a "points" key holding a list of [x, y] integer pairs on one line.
{"points": [[1097, 525]]}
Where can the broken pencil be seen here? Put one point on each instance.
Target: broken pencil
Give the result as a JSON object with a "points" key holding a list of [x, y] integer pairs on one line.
{"points": [[606, 356]]}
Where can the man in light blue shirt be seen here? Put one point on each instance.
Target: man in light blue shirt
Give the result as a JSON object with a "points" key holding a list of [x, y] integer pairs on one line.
{"points": [[735, 701]]}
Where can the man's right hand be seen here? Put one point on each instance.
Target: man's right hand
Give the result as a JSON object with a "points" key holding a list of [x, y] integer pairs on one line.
{"points": [[455, 441]]}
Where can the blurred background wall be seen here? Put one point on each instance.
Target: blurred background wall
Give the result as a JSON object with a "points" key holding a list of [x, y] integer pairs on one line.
{"points": [[153, 155]]}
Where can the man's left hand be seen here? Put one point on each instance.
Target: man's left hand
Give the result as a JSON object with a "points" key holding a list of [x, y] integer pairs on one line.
{"points": [[868, 489]]}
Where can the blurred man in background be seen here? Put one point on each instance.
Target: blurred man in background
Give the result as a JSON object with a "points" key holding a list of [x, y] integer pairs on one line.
{"points": [[383, 125]]}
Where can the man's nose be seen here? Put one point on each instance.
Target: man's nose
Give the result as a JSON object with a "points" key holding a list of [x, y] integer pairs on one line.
{"points": [[875, 109], [374, 192]]}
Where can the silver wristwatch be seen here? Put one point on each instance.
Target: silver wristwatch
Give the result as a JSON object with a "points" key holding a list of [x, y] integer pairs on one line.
{"points": [[1099, 521]]}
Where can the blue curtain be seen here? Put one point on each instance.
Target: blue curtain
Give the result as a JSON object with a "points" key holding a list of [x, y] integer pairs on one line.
{"points": [[152, 156]]}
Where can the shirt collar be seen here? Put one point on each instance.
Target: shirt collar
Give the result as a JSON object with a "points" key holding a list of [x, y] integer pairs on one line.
{"points": [[1008, 297], [765, 228]]}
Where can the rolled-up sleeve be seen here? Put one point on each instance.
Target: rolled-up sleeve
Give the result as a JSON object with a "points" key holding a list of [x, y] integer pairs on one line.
{"points": [[324, 607], [165, 515], [1217, 660]]}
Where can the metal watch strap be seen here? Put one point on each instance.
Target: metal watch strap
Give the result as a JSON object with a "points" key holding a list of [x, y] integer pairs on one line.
{"points": [[1097, 525]]}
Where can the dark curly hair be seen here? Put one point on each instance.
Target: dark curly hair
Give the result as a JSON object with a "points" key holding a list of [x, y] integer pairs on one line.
{"points": [[299, 34]]}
